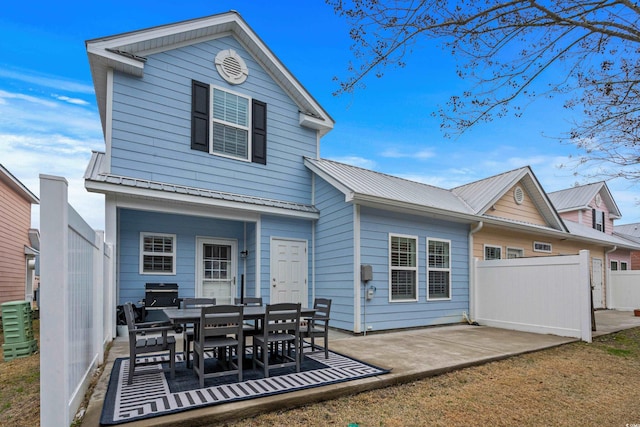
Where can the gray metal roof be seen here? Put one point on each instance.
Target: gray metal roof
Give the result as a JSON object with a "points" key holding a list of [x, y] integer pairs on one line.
{"points": [[94, 174], [357, 182], [580, 197], [592, 234], [628, 229]]}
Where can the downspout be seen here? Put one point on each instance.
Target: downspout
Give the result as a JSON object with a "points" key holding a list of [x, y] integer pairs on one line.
{"points": [[607, 267], [472, 272]]}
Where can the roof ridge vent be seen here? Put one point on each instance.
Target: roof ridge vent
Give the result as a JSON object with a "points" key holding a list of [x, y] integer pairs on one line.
{"points": [[231, 67]]}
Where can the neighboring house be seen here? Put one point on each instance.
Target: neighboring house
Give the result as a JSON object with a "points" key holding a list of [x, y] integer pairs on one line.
{"points": [[19, 244], [630, 232], [589, 211], [213, 180]]}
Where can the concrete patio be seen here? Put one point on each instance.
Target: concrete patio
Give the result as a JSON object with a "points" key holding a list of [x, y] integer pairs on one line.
{"points": [[410, 355]]}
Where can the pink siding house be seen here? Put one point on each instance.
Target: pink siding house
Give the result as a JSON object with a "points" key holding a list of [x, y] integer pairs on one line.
{"points": [[17, 239]]}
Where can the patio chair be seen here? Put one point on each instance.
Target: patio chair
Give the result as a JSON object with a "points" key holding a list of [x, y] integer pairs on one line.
{"points": [[251, 328], [189, 332], [220, 329], [280, 331], [146, 345], [317, 326]]}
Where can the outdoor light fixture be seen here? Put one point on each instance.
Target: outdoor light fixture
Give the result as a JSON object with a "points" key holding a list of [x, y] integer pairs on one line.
{"points": [[244, 253]]}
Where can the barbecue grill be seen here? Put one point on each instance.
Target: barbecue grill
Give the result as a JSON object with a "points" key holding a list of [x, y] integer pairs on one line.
{"points": [[158, 296]]}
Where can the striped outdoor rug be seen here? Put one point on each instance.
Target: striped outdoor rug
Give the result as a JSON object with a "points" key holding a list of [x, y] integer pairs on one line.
{"points": [[155, 394]]}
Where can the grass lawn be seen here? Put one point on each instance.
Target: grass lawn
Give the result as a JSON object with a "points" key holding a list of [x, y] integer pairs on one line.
{"points": [[576, 384]]}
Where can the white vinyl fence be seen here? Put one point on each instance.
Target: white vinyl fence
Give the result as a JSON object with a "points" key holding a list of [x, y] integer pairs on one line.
{"points": [[624, 290], [75, 323], [548, 295]]}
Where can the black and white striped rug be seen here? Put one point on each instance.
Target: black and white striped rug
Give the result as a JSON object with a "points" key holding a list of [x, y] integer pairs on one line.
{"points": [[155, 394]]}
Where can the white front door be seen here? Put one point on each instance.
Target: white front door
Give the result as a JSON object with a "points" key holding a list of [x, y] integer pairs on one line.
{"points": [[596, 282], [288, 271], [216, 269]]}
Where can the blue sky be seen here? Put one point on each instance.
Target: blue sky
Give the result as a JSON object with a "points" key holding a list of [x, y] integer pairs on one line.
{"points": [[49, 121]]}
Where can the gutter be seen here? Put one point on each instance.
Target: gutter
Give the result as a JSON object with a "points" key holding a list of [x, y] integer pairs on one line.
{"points": [[472, 272]]}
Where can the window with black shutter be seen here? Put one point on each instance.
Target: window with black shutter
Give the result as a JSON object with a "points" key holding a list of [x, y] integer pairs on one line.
{"points": [[223, 118]]}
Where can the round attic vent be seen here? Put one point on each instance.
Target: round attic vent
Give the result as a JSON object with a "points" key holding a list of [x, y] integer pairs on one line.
{"points": [[518, 195], [231, 67], [598, 200]]}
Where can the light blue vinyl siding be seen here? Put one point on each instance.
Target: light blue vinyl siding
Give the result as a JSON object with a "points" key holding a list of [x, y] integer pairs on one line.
{"points": [[152, 128], [375, 226], [186, 228], [335, 254], [285, 228]]}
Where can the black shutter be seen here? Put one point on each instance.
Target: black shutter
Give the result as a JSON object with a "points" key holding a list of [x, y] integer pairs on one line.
{"points": [[199, 116], [593, 218], [259, 132], [603, 221]]}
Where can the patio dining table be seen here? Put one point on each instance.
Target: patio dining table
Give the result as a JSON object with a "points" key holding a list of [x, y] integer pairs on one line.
{"points": [[251, 312]]}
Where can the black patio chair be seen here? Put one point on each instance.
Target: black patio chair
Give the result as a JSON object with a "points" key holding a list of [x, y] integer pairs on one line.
{"points": [[220, 329], [317, 326], [280, 331], [189, 332], [141, 344]]}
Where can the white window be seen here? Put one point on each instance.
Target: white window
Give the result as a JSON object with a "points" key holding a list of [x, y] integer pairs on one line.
{"points": [[492, 252], [515, 253], [598, 220], [230, 124], [623, 265], [542, 247], [157, 253], [614, 265], [403, 268], [438, 269]]}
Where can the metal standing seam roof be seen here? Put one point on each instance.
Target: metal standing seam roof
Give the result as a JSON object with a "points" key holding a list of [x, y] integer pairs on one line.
{"points": [[628, 229], [480, 194], [363, 182], [94, 173], [581, 230], [580, 197]]}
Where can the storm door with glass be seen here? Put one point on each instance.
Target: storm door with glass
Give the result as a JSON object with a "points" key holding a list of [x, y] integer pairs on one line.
{"points": [[216, 269]]}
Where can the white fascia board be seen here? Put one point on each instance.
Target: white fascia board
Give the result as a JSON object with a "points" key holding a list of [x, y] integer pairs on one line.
{"points": [[106, 188], [348, 193], [314, 123]]}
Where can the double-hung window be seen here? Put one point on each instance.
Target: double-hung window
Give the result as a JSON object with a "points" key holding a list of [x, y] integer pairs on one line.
{"points": [[438, 269], [230, 124], [157, 253], [403, 268]]}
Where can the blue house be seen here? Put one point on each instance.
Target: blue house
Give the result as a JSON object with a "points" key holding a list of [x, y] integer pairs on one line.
{"points": [[213, 180]]}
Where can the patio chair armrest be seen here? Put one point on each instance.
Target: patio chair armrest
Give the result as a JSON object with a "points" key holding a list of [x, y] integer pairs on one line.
{"points": [[151, 324], [163, 329]]}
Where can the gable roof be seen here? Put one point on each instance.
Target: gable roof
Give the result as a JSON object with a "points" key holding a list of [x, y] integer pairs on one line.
{"points": [[15, 184], [578, 198], [483, 194], [126, 53]]}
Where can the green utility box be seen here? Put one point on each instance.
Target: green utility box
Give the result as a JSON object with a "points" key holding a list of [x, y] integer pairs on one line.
{"points": [[17, 325]]}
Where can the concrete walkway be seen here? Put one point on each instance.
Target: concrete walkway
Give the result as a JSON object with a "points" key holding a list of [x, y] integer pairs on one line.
{"points": [[410, 355]]}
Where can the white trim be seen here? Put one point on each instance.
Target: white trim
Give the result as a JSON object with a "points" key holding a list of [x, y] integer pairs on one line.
{"points": [[258, 256], [542, 250], [108, 126], [484, 251], [449, 269], [506, 252], [414, 268], [246, 128], [172, 254], [357, 292], [193, 202]]}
